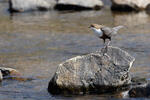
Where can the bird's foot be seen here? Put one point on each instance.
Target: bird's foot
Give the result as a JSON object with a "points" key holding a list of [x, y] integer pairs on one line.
{"points": [[106, 55]]}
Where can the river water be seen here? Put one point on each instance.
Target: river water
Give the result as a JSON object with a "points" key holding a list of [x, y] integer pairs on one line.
{"points": [[36, 42]]}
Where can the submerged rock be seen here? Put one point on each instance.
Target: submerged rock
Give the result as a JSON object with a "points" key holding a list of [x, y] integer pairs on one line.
{"points": [[95, 72], [79, 4], [128, 5], [25, 5]]}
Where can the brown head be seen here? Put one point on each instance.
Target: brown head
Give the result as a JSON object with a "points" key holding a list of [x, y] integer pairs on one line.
{"points": [[97, 26]]}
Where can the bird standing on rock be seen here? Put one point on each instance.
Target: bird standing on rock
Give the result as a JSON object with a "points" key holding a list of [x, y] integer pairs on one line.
{"points": [[104, 32]]}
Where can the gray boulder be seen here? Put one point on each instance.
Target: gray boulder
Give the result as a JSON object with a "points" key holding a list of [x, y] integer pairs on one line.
{"points": [[130, 4], [25, 5], [104, 71], [79, 4]]}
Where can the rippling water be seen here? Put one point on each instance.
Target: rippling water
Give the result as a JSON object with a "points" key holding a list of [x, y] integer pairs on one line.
{"points": [[36, 42]]}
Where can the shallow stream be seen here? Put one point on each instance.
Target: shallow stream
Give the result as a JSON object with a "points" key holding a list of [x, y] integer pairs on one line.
{"points": [[36, 42]]}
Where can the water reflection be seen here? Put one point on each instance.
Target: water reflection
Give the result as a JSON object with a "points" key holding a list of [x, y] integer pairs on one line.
{"points": [[139, 20], [54, 21]]}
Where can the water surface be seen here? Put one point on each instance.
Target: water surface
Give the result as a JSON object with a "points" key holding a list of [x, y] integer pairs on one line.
{"points": [[36, 42]]}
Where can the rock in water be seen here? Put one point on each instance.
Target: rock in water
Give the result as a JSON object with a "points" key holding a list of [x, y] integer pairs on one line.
{"points": [[5, 72], [143, 91], [25, 5], [95, 72], [9, 72], [79, 4], [129, 4]]}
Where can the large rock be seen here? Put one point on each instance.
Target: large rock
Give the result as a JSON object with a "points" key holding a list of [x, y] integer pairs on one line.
{"points": [[79, 4], [129, 4], [25, 5], [96, 72]]}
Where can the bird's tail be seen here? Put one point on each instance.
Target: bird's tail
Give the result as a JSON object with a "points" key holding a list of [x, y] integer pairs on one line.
{"points": [[118, 27]]}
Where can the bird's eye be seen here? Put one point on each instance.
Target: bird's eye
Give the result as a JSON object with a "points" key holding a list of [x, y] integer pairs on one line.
{"points": [[91, 26]]}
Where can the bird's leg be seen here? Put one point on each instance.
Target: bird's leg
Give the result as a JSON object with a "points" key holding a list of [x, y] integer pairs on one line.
{"points": [[104, 43], [106, 50], [105, 47], [108, 43]]}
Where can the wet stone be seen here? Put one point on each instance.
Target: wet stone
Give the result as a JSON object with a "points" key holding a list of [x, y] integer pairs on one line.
{"points": [[140, 91], [79, 5], [9, 72], [135, 88], [105, 71], [28, 5], [140, 87]]}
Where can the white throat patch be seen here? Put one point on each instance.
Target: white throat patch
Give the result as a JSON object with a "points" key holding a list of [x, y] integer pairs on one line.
{"points": [[98, 32]]}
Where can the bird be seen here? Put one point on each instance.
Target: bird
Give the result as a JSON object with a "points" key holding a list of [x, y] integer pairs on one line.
{"points": [[104, 32]]}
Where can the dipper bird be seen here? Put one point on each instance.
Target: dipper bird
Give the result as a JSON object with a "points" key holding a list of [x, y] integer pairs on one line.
{"points": [[104, 32]]}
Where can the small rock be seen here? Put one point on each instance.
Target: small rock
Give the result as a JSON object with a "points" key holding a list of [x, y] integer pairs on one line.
{"points": [[25, 5], [138, 82], [128, 5], [142, 91], [134, 91], [95, 72], [9, 72], [79, 4]]}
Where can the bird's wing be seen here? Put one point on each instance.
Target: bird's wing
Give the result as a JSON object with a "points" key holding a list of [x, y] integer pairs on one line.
{"points": [[111, 31], [115, 29], [118, 27], [107, 30]]}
